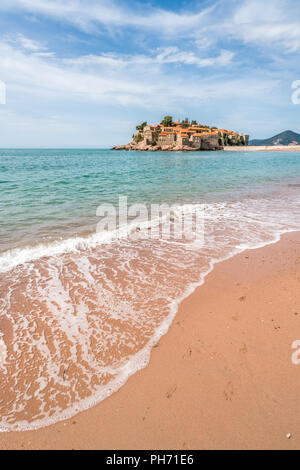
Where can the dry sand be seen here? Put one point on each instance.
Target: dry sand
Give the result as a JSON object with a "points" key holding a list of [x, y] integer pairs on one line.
{"points": [[222, 378], [264, 148]]}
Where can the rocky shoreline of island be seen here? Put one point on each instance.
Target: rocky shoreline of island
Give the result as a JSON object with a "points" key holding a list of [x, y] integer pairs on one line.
{"points": [[156, 148], [249, 148]]}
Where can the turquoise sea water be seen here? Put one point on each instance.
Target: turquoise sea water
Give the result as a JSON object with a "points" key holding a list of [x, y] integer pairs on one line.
{"points": [[50, 193], [80, 313]]}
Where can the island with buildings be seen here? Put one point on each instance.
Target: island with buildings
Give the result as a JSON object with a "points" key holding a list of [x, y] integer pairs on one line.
{"points": [[182, 136]]}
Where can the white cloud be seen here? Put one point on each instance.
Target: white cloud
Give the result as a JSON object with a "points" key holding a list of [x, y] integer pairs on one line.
{"points": [[44, 54], [23, 42], [29, 44], [143, 81], [174, 55], [85, 13], [203, 43], [167, 55], [36, 75], [275, 23], [286, 36], [247, 21]]}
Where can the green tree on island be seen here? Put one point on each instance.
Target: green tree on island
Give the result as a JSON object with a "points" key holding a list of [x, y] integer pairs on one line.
{"points": [[141, 126], [167, 121], [138, 138], [185, 123]]}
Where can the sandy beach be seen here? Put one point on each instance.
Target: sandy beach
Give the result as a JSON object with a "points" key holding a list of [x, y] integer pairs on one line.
{"points": [[264, 148], [222, 377]]}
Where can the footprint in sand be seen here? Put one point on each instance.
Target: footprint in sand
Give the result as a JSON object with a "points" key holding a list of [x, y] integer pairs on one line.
{"points": [[228, 392], [144, 417], [171, 392], [188, 353]]}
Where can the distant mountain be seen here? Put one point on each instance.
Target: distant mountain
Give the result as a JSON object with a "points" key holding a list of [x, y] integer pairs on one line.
{"points": [[285, 138]]}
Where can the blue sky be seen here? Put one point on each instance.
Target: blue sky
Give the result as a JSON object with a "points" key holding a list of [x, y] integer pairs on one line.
{"points": [[85, 72]]}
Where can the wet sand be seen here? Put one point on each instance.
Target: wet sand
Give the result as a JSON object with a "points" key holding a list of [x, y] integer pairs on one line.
{"points": [[222, 377]]}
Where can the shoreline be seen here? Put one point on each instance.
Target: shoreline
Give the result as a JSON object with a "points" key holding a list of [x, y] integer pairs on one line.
{"points": [[264, 148], [184, 149], [141, 416]]}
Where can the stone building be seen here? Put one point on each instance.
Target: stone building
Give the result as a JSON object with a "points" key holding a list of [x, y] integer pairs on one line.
{"points": [[196, 140], [210, 142], [183, 139], [166, 139], [149, 137], [244, 139]]}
